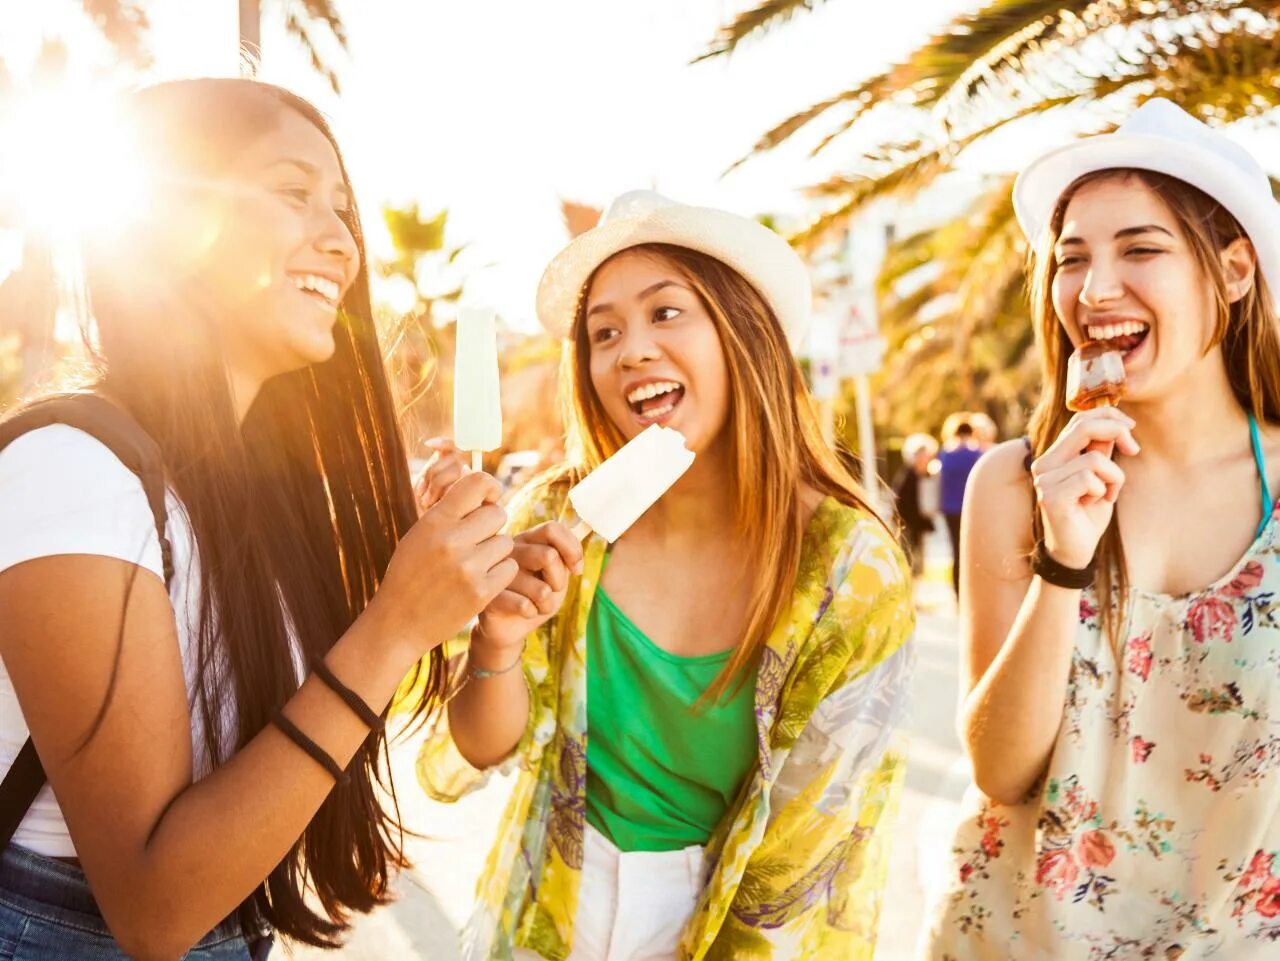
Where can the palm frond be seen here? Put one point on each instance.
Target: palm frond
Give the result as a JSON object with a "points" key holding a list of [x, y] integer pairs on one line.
{"points": [[1175, 53], [862, 96], [296, 26], [931, 70], [326, 12], [769, 14]]}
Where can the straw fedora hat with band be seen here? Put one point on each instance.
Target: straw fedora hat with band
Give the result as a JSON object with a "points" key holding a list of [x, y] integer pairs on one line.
{"points": [[1161, 137], [761, 256]]}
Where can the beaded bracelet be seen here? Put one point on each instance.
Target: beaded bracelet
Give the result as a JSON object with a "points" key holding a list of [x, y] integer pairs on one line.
{"points": [[371, 718], [291, 731]]}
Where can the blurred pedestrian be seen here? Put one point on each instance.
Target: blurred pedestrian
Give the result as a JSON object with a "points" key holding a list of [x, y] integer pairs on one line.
{"points": [[984, 428], [959, 453], [918, 453]]}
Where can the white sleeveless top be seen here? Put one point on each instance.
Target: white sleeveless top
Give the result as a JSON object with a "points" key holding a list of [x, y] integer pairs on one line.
{"points": [[1156, 831], [63, 492]]}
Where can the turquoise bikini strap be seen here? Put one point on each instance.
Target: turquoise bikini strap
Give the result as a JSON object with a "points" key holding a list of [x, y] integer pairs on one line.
{"points": [[1255, 437]]}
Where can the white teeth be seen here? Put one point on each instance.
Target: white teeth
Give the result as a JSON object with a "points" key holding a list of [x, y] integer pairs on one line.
{"points": [[1111, 331], [323, 286], [651, 390]]}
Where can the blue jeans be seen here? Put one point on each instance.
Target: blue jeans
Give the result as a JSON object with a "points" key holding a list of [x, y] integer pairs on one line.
{"points": [[47, 912]]}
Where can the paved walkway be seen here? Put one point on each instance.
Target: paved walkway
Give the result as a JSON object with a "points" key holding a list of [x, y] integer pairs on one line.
{"points": [[436, 896]]}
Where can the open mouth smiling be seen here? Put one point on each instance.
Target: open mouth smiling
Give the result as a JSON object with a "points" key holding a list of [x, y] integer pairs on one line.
{"points": [[322, 289], [655, 401], [1124, 336]]}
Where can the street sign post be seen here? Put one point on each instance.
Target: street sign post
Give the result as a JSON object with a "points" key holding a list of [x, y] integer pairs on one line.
{"points": [[861, 351]]}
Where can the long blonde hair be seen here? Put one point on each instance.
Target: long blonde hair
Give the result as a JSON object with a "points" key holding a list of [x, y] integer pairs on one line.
{"points": [[774, 436], [1246, 329]]}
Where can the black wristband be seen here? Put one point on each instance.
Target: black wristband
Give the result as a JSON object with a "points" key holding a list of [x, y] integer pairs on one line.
{"points": [[371, 718], [290, 730], [1047, 569]]}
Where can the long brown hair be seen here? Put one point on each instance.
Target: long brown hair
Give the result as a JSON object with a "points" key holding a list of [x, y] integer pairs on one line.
{"points": [[774, 436], [303, 503], [1246, 329]]}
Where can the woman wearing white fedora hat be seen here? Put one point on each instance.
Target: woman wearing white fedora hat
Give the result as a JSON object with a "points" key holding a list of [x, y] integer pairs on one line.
{"points": [[1121, 702], [739, 656]]}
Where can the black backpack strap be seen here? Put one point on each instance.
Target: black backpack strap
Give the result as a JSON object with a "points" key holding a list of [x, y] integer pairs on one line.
{"points": [[120, 433], [22, 782]]}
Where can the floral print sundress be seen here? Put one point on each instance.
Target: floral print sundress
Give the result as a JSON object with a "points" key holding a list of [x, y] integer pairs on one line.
{"points": [[1156, 830]]}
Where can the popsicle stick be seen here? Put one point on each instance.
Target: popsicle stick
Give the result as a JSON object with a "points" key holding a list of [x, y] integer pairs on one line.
{"points": [[577, 526], [1104, 447], [477, 460]]}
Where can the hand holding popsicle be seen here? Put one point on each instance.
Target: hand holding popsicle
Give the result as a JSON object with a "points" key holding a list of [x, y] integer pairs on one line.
{"points": [[609, 500], [1076, 483], [451, 564], [1095, 378]]}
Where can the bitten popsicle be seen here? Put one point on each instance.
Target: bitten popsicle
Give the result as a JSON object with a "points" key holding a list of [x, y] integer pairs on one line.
{"points": [[614, 495], [1095, 376], [477, 398]]}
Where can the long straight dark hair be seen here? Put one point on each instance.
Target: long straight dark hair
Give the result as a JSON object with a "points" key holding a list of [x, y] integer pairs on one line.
{"points": [[295, 513]]}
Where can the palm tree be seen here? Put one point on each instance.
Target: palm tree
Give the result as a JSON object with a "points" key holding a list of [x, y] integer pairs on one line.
{"points": [[988, 70], [305, 20]]}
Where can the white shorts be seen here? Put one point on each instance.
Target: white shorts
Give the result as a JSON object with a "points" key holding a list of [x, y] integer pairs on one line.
{"points": [[631, 906]]}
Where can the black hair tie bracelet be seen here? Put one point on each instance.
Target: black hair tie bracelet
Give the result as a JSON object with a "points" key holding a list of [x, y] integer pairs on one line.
{"points": [[291, 731], [1047, 569], [371, 718]]}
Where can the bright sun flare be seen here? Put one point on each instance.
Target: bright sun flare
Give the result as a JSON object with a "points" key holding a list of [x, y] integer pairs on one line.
{"points": [[67, 166]]}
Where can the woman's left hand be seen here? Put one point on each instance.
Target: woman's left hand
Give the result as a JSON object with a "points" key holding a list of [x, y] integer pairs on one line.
{"points": [[445, 469]]}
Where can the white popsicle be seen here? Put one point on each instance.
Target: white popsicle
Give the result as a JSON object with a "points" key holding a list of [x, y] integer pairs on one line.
{"points": [[614, 495], [477, 399]]}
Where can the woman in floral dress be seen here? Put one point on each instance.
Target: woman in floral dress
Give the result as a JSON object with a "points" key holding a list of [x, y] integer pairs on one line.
{"points": [[702, 727], [1121, 707]]}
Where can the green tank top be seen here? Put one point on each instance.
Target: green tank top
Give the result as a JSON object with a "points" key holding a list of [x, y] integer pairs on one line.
{"points": [[659, 776]]}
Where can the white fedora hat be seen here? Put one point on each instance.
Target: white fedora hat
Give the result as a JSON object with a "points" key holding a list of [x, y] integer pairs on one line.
{"points": [[1161, 137], [761, 256]]}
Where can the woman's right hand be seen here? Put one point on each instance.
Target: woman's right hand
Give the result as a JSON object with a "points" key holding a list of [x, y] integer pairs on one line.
{"points": [[547, 555], [443, 470], [1077, 483], [448, 567]]}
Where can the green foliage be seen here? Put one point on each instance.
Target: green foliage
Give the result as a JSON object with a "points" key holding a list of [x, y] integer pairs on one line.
{"points": [[961, 337]]}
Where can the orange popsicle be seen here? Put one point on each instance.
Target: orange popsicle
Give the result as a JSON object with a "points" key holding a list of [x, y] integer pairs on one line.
{"points": [[1095, 376]]}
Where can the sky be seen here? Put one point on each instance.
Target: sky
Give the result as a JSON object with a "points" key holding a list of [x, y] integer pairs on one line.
{"points": [[496, 109]]}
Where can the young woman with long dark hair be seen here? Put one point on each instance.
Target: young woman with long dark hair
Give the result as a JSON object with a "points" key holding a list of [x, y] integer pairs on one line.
{"points": [[192, 736]]}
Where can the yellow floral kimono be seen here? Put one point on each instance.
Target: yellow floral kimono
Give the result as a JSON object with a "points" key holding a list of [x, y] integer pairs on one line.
{"points": [[797, 867]]}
